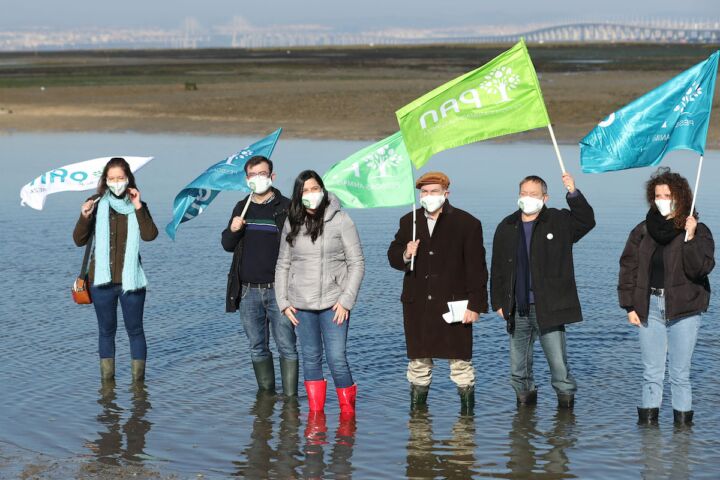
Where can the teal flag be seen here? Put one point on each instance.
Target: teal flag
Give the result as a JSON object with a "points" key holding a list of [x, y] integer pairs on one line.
{"points": [[377, 176], [674, 116], [228, 174], [499, 98]]}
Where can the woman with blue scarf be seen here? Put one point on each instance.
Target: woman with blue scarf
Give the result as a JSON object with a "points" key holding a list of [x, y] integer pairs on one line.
{"points": [[118, 219]]}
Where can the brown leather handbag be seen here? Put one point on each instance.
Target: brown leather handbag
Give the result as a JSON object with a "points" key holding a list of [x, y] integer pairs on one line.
{"points": [[81, 286]]}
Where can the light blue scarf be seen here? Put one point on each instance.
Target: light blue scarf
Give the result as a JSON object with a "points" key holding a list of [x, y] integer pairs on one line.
{"points": [[133, 277]]}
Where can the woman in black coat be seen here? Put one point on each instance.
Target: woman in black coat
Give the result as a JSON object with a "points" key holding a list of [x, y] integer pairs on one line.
{"points": [[664, 288]]}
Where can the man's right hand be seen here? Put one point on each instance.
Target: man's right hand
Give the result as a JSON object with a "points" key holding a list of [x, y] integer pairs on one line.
{"points": [[237, 224], [633, 318], [411, 249]]}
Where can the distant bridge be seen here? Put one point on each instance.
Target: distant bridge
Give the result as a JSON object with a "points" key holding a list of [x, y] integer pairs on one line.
{"points": [[603, 33]]}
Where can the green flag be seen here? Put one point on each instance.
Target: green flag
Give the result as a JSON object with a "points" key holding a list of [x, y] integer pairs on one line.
{"points": [[501, 97], [377, 176]]}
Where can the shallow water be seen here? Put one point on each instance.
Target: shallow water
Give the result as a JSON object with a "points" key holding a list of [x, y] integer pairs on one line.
{"points": [[198, 414]]}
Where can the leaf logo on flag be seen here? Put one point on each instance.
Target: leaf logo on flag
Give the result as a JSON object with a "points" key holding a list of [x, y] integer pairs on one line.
{"points": [[379, 175], [499, 98], [674, 116], [228, 174]]}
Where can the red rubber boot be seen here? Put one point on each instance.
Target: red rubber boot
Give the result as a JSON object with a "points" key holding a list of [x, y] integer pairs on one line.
{"points": [[346, 399], [316, 390]]}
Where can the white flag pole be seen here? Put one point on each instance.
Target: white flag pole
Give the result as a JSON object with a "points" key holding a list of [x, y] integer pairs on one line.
{"points": [[247, 204], [557, 150], [412, 259], [697, 184]]}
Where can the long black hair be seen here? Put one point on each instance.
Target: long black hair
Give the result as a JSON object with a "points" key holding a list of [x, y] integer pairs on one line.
{"points": [[115, 162], [298, 216]]}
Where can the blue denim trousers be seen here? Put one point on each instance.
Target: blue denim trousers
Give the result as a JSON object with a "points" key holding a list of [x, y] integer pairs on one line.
{"points": [[105, 299], [672, 340], [260, 317], [316, 329], [553, 344]]}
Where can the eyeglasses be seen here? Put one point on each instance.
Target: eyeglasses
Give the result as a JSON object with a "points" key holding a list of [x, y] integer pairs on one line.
{"points": [[258, 174]]}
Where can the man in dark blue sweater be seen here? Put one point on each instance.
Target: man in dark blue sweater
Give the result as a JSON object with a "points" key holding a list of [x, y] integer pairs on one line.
{"points": [[254, 238]]}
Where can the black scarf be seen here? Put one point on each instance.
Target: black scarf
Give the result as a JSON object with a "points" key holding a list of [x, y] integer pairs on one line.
{"points": [[522, 275], [661, 229]]}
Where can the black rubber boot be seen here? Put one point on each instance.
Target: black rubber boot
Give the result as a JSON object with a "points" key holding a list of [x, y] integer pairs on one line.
{"points": [[682, 418], [418, 396], [467, 400], [566, 400], [527, 399], [265, 375], [289, 375], [648, 416]]}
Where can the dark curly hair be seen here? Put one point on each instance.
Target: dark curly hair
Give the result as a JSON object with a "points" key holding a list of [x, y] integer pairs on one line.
{"points": [[679, 189]]}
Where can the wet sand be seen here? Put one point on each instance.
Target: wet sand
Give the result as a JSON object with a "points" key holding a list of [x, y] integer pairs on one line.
{"points": [[335, 93]]}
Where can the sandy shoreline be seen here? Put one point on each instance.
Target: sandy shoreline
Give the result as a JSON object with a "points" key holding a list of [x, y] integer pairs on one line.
{"points": [[331, 94]]}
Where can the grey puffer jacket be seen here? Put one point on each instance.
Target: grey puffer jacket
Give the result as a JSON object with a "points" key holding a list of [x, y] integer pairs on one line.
{"points": [[316, 276]]}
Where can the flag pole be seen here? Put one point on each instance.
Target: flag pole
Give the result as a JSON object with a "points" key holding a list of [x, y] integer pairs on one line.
{"points": [[697, 184], [412, 259], [557, 150], [245, 208]]}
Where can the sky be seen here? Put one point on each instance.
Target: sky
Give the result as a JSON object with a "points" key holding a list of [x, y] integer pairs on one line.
{"points": [[338, 14]]}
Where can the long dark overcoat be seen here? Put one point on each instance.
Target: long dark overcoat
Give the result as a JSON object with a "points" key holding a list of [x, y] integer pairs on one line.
{"points": [[449, 266]]}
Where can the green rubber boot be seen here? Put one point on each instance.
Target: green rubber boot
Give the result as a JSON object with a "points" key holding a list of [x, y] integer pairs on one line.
{"points": [[138, 371], [467, 400], [289, 374], [265, 375], [107, 369], [418, 396]]}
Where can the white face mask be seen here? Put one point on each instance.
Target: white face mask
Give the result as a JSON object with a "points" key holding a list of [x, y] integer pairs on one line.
{"points": [[117, 188], [312, 200], [259, 185], [431, 203], [665, 207], [530, 205]]}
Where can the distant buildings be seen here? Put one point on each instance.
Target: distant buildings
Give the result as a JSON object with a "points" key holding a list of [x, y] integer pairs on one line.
{"points": [[240, 34]]}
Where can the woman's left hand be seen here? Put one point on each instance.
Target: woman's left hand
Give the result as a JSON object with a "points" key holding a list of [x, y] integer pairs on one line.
{"points": [[341, 313], [690, 226], [134, 195]]}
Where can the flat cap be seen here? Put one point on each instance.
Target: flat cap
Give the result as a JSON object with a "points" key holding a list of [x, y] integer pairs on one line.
{"points": [[433, 178]]}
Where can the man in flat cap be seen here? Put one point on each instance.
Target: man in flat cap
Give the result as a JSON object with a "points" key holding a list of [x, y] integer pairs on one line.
{"points": [[449, 266]]}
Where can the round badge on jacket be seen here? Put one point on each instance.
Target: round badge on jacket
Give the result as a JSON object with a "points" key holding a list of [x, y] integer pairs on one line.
{"points": [[549, 236]]}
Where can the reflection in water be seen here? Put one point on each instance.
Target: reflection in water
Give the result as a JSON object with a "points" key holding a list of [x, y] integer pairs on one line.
{"points": [[657, 461], [524, 460], [259, 455], [450, 458], [260, 458], [108, 448]]}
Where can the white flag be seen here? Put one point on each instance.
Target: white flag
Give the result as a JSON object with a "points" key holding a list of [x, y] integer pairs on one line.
{"points": [[75, 177]]}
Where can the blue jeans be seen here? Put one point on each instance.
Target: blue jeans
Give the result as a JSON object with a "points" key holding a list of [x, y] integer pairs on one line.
{"points": [[521, 355], [260, 316], [316, 329], [675, 340], [105, 299]]}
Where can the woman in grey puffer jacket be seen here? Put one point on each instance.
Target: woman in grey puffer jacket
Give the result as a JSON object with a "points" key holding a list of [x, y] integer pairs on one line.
{"points": [[318, 274]]}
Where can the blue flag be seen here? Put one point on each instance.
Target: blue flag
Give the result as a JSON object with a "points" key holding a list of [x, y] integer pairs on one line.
{"points": [[228, 174], [674, 116]]}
